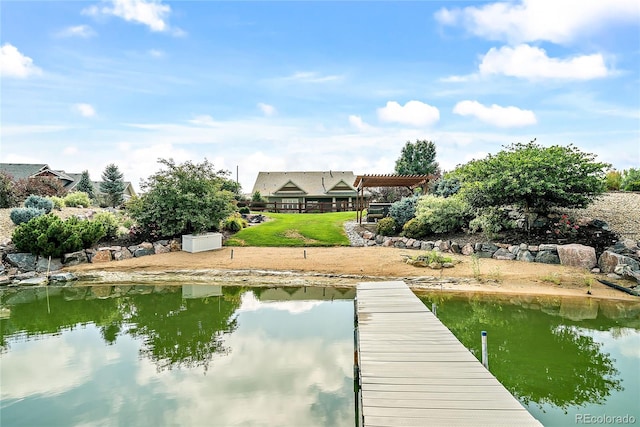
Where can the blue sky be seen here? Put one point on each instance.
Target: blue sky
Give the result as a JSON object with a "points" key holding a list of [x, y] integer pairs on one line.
{"points": [[277, 86]]}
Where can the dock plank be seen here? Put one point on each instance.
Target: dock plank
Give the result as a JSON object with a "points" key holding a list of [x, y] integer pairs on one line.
{"points": [[414, 372]]}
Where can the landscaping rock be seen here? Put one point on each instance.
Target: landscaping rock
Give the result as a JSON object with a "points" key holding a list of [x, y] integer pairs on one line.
{"points": [[123, 253], [525, 256], [43, 265], [24, 261], [503, 254], [101, 256], [547, 257], [175, 246], [575, 255], [34, 281], [548, 248], [75, 258], [426, 246], [60, 278], [160, 249], [467, 249], [141, 251], [608, 261]]}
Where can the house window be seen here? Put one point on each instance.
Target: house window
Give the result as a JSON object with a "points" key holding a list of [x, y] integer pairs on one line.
{"points": [[289, 204]]}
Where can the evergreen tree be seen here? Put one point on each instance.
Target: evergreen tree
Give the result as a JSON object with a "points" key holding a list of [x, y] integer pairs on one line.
{"points": [[85, 185], [418, 158], [112, 185]]}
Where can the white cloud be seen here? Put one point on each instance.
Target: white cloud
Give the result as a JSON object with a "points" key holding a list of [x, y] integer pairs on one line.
{"points": [[85, 110], [70, 150], [540, 20], [358, 123], [530, 62], [267, 110], [15, 64], [203, 120], [150, 13], [83, 31], [495, 114], [414, 113]]}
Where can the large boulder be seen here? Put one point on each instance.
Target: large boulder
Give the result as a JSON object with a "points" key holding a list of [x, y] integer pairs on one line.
{"points": [[74, 258], [43, 265], [503, 254], [575, 255], [609, 260], [547, 257], [23, 261], [101, 256], [123, 253]]}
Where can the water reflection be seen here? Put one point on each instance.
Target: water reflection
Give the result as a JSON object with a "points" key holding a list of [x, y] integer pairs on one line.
{"points": [[137, 355], [552, 353]]}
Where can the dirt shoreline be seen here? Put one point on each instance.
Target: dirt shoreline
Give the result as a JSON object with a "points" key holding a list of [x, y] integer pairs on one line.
{"points": [[346, 266]]}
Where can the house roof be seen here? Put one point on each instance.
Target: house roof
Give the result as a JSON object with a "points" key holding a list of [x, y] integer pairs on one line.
{"points": [[22, 170], [391, 180], [308, 184]]}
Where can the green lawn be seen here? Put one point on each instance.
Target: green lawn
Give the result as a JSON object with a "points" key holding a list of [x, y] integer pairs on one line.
{"points": [[296, 230]]}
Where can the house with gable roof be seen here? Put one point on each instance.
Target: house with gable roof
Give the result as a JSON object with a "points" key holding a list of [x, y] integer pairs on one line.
{"points": [[307, 191], [69, 181]]}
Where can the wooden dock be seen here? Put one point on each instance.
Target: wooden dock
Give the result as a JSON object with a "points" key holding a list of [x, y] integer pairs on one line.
{"points": [[412, 371]]}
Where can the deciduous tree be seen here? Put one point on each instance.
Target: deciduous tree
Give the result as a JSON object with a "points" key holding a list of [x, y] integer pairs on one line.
{"points": [[418, 158]]}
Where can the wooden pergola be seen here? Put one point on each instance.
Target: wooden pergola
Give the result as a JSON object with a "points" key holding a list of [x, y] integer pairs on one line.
{"points": [[390, 180]]}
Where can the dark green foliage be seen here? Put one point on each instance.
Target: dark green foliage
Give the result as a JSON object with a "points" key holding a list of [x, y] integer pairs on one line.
{"points": [[245, 210], [183, 198], [403, 210], [45, 186], [112, 185], [21, 215], [257, 197], [85, 185], [8, 192], [447, 186], [533, 177], [631, 180], [234, 223], [38, 202], [415, 229], [109, 223], [418, 158], [386, 226], [48, 235]]}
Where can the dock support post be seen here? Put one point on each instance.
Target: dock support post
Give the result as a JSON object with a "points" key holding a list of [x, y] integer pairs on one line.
{"points": [[434, 308], [485, 354]]}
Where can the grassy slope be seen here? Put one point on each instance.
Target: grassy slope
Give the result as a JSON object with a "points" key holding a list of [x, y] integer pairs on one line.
{"points": [[296, 230]]}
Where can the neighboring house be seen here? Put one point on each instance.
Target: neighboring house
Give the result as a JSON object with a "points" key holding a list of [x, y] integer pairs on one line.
{"points": [[68, 180], [307, 191]]}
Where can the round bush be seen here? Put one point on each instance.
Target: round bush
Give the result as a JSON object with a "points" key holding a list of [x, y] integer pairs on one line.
{"points": [[386, 226], [245, 210], [21, 215], [415, 229], [77, 198], [38, 202], [109, 222], [234, 224], [403, 210], [58, 202]]}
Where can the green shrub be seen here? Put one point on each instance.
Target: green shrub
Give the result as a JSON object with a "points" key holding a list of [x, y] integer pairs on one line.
{"points": [[245, 210], [447, 186], [415, 229], [491, 221], [442, 215], [613, 180], [386, 226], [234, 223], [109, 223], [257, 197], [38, 202], [403, 210], [127, 223], [77, 198], [631, 180], [48, 235], [58, 202], [21, 215]]}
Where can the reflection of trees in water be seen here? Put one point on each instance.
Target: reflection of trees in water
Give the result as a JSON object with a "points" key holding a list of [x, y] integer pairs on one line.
{"points": [[174, 331], [177, 332], [539, 358]]}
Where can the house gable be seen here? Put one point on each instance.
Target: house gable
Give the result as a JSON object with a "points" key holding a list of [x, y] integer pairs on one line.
{"points": [[341, 187], [290, 189]]}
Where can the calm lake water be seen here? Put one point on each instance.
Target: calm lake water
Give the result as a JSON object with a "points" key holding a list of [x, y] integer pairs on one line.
{"points": [[229, 356]]}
